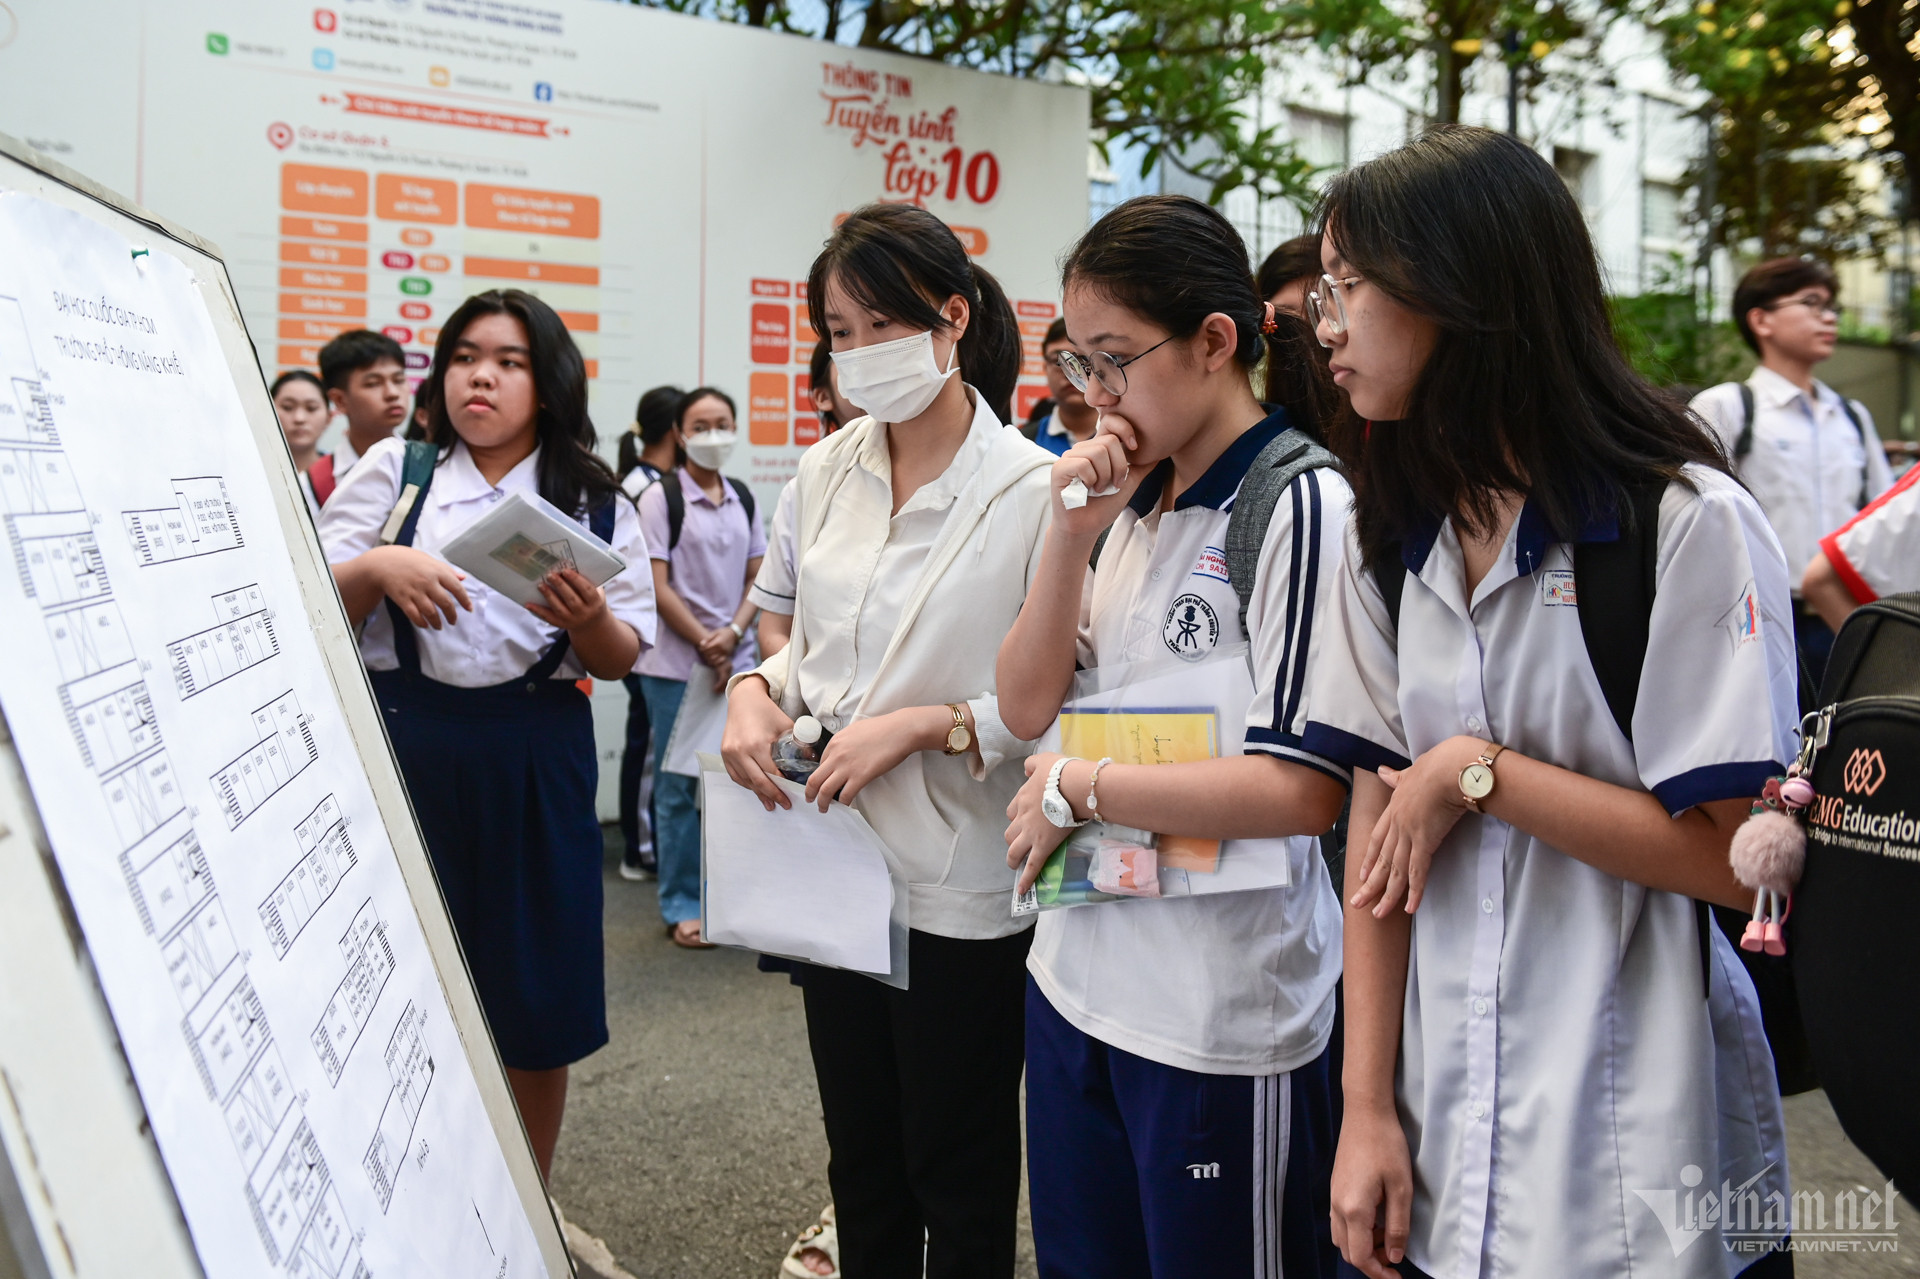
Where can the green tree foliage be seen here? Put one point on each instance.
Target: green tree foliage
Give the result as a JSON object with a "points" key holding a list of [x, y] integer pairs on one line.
{"points": [[1799, 86]]}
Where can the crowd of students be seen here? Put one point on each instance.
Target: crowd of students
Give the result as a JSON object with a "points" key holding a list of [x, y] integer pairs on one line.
{"points": [[1514, 612]]}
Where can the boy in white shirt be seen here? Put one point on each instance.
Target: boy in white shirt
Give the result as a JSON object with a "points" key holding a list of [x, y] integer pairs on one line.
{"points": [[1810, 456]]}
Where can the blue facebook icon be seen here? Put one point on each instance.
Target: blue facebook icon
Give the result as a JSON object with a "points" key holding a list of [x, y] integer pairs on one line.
{"points": [[542, 91], [323, 59]]}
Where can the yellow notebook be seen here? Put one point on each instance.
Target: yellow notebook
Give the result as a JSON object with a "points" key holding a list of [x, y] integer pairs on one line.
{"points": [[1154, 735]]}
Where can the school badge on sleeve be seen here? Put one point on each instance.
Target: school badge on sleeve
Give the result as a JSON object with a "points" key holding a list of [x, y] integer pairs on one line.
{"points": [[1742, 621]]}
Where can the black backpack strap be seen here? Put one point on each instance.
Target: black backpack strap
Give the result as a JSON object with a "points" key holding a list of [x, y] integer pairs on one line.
{"points": [[1868, 440], [746, 496], [1287, 457], [1614, 582], [676, 507], [1391, 578], [1743, 445], [416, 477], [1099, 545]]}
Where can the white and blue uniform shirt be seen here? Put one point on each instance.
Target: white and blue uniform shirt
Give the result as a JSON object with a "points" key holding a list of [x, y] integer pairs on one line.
{"points": [[1562, 1080], [1235, 983]]}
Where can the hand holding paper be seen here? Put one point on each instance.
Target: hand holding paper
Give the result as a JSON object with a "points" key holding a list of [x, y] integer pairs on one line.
{"points": [[522, 541], [1096, 467]]}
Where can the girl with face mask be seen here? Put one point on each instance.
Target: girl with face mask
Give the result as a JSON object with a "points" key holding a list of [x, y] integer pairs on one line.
{"points": [[706, 542], [917, 528]]}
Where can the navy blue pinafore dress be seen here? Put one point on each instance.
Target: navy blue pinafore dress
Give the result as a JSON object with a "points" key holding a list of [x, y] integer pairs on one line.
{"points": [[502, 780]]}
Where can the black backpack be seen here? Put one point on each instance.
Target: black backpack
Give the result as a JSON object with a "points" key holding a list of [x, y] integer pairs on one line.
{"points": [[677, 504], [1614, 588], [1854, 934]]}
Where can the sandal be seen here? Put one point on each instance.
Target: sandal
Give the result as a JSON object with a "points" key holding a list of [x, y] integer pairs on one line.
{"points": [[686, 934], [822, 1237]]}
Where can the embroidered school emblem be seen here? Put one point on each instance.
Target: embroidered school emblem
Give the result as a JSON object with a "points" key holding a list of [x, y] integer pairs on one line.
{"points": [[1191, 628], [1556, 588], [1742, 621]]}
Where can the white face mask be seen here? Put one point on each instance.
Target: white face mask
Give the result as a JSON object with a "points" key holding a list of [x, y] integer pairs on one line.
{"points": [[711, 449], [895, 381]]}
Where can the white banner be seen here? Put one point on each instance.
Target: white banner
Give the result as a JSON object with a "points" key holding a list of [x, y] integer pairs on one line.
{"points": [[662, 181]]}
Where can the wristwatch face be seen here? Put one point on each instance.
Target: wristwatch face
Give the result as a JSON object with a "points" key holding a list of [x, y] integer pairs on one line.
{"points": [[958, 739], [1476, 781], [1054, 806]]}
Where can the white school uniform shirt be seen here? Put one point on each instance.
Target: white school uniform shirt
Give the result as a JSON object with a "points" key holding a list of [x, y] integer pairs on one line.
{"points": [[772, 589], [908, 608], [1562, 1080], [1235, 983], [1877, 552], [499, 640], [1807, 463]]}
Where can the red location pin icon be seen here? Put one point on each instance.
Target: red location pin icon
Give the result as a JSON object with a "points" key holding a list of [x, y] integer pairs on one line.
{"points": [[281, 135]]}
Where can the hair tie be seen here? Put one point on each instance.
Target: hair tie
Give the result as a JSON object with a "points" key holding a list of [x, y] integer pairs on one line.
{"points": [[633, 428], [1268, 324]]}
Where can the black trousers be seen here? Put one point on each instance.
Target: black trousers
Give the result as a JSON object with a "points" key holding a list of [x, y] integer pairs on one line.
{"points": [[633, 761], [920, 1090]]}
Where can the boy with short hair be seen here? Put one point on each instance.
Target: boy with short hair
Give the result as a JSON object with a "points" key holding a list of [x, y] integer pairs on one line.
{"points": [[1068, 418], [365, 374], [1810, 456]]}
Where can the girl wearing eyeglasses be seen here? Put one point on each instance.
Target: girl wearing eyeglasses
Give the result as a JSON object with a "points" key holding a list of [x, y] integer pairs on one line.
{"points": [[916, 530], [1180, 1116], [1554, 1063]]}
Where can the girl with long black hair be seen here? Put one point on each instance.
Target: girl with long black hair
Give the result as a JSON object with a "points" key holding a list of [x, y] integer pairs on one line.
{"points": [[916, 531], [1180, 1114], [480, 694], [1561, 668]]}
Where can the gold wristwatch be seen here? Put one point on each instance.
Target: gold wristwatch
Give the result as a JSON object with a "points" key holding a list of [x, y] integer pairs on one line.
{"points": [[1476, 779], [958, 738]]}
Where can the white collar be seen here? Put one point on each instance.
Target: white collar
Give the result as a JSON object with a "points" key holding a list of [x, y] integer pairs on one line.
{"points": [[1774, 389], [458, 480]]}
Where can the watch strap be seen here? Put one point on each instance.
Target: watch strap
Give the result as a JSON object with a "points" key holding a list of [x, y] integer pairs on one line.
{"points": [[1053, 791]]}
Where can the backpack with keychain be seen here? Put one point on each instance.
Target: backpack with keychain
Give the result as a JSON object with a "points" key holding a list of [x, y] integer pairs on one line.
{"points": [[1856, 946]]}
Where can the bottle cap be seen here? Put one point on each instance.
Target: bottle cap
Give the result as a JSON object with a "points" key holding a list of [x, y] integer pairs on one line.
{"points": [[806, 730]]}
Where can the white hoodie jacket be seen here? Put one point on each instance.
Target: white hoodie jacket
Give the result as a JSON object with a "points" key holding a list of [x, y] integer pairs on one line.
{"points": [[943, 817]]}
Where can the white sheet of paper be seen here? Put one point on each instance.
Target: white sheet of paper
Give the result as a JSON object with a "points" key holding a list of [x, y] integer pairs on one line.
{"points": [[698, 727], [205, 798], [521, 539], [794, 881]]}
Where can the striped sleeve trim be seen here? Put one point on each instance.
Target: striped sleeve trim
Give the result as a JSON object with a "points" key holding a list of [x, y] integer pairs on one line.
{"points": [[1303, 587], [1287, 746], [1715, 781], [1346, 748]]}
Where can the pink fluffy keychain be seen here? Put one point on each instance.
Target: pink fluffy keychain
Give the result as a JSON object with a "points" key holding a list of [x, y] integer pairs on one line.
{"points": [[1769, 851]]}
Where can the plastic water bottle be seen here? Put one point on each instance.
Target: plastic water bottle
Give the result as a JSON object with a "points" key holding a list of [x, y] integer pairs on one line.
{"points": [[796, 752]]}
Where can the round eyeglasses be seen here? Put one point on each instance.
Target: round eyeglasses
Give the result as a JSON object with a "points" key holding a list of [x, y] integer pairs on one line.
{"points": [[1328, 305], [1814, 302], [1100, 367]]}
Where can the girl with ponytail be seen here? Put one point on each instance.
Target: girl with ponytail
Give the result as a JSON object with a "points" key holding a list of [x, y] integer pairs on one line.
{"points": [[916, 531], [1180, 1116]]}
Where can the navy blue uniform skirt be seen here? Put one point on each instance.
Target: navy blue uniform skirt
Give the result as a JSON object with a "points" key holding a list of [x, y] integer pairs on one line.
{"points": [[503, 781]]}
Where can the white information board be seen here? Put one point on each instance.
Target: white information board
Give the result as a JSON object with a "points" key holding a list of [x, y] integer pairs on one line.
{"points": [[212, 781]]}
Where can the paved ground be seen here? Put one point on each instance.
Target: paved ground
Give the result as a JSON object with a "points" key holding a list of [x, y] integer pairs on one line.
{"points": [[693, 1144]]}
